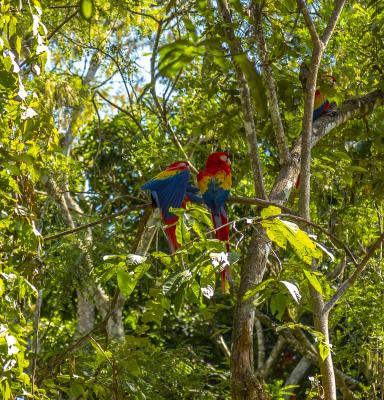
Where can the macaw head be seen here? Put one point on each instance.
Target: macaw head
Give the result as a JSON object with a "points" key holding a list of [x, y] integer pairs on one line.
{"points": [[178, 165], [217, 159]]}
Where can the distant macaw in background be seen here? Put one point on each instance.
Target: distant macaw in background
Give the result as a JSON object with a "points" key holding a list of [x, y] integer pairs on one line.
{"points": [[215, 182], [322, 105], [170, 188]]}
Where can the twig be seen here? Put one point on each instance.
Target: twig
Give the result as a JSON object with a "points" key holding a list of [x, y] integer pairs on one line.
{"points": [[49, 37], [130, 115], [55, 361], [99, 221], [353, 278]]}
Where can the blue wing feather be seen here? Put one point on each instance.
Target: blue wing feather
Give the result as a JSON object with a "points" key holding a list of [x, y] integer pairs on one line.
{"points": [[192, 196], [169, 192], [215, 196]]}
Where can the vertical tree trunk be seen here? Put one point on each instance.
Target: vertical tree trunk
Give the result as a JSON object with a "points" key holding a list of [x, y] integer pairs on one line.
{"points": [[245, 385], [326, 366]]}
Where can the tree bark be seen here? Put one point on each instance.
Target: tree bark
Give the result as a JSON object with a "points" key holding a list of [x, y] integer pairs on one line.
{"points": [[245, 385]]}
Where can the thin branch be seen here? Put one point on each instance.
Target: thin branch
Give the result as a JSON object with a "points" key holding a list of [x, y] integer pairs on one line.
{"points": [[274, 357], [353, 278], [260, 344], [332, 22], [98, 222], [246, 103], [270, 85], [56, 361], [259, 202], [130, 115], [49, 37], [326, 232], [309, 22]]}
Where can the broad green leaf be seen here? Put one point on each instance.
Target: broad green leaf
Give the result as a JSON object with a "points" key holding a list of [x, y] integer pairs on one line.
{"points": [[125, 281], [251, 292], [324, 350], [182, 233], [270, 211], [313, 281], [198, 229], [163, 257], [275, 232], [278, 304], [86, 9]]}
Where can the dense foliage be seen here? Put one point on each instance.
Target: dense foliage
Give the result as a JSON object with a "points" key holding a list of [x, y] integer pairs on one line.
{"points": [[96, 97]]}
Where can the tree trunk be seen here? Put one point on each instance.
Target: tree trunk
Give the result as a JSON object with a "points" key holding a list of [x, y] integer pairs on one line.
{"points": [[245, 385], [326, 366]]}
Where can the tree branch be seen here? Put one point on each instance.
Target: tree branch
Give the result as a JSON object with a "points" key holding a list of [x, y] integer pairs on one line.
{"points": [[350, 109], [99, 221], [332, 22], [245, 98], [353, 278], [270, 85], [309, 22], [130, 115]]}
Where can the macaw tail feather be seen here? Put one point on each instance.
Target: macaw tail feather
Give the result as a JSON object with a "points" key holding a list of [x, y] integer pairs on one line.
{"points": [[170, 231], [220, 222]]}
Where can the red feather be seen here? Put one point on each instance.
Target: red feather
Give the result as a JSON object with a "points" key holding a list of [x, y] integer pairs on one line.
{"points": [[170, 229], [217, 163]]}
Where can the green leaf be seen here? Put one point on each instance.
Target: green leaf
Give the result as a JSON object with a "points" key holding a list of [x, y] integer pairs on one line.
{"points": [[163, 257], [207, 281], [270, 211], [278, 304], [86, 9], [324, 350], [198, 229], [127, 280], [313, 281], [18, 45], [254, 81], [182, 233], [275, 232], [251, 292]]}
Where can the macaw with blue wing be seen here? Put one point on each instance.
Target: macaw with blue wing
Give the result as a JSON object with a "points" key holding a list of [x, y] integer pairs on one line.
{"points": [[321, 104], [168, 189], [215, 182]]}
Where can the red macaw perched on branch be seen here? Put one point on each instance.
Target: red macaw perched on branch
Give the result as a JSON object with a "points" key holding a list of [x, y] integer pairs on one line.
{"points": [[215, 182], [170, 189], [322, 105]]}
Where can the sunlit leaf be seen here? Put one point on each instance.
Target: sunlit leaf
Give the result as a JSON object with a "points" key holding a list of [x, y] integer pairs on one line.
{"points": [[86, 9]]}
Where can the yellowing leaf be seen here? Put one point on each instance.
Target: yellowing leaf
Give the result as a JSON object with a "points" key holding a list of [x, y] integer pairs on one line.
{"points": [[86, 9], [270, 211]]}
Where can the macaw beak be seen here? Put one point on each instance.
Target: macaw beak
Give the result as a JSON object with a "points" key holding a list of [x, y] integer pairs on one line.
{"points": [[228, 161]]}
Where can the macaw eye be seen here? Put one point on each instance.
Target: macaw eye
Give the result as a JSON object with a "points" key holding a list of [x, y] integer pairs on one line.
{"points": [[224, 158]]}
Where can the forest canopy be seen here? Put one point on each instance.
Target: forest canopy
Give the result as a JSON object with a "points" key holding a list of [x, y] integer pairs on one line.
{"points": [[97, 98]]}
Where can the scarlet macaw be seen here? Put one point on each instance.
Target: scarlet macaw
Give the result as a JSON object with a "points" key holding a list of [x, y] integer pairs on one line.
{"points": [[321, 104], [215, 182], [170, 188]]}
